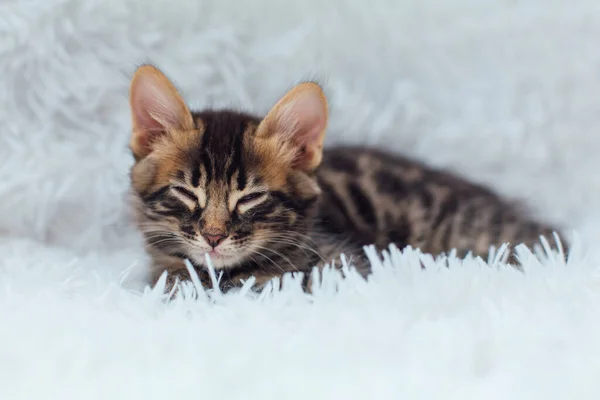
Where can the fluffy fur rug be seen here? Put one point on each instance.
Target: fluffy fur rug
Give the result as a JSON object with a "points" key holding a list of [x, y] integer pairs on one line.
{"points": [[503, 92]]}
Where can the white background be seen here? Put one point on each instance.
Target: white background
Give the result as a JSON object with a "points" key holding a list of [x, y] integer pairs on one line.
{"points": [[503, 92]]}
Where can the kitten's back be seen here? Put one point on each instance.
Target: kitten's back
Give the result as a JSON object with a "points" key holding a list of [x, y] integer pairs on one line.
{"points": [[374, 197]]}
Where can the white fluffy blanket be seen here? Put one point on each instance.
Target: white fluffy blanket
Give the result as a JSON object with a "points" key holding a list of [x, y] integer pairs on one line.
{"points": [[503, 92]]}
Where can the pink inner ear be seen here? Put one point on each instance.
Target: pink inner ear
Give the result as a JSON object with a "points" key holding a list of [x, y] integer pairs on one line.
{"points": [[144, 120], [147, 128], [155, 109], [304, 119]]}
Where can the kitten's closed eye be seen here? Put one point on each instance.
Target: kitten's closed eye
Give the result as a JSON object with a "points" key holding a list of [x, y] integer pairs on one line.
{"points": [[250, 200], [185, 193]]}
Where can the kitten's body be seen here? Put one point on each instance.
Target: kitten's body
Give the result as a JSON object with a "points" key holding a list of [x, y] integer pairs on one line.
{"points": [[379, 198], [263, 199]]}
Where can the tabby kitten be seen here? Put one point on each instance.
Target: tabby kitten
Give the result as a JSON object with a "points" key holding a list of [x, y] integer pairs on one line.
{"points": [[261, 197]]}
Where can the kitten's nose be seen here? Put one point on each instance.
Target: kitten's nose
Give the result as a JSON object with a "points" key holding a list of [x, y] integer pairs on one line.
{"points": [[214, 239]]}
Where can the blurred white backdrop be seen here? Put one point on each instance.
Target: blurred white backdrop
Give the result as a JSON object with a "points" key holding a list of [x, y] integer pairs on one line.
{"points": [[504, 92]]}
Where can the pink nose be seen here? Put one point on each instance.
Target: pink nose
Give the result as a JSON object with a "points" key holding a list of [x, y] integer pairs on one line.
{"points": [[214, 239]]}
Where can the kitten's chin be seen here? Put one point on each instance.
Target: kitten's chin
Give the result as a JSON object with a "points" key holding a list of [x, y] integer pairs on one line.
{"points": [[218, 261]]}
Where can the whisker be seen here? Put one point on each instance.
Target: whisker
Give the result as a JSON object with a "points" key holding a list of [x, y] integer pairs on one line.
{"points": [[298, 245], [167, 240], [268, 258], [285, 239], [280, 255]]}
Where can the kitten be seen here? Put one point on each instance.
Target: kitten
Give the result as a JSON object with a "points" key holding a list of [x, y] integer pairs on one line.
{"points": [[262, 197]]}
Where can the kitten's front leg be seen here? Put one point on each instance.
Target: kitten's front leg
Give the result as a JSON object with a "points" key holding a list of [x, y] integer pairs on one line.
{"points": [[176, 272], [355, 261]]}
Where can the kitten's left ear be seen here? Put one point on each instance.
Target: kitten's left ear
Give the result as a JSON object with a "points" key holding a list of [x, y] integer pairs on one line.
{"points": [[298, 122], [156, 109]]}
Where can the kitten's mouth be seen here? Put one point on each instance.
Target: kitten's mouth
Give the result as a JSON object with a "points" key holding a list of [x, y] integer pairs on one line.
{"points": [[218, 258], [223, 256], [215, 253]]}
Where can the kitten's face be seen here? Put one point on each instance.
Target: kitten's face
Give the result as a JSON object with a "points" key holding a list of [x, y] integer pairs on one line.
{"points": [[222, 183], [220, 190]]}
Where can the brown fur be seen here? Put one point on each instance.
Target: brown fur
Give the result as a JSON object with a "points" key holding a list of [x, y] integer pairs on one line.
{"points": [[264, 194]]}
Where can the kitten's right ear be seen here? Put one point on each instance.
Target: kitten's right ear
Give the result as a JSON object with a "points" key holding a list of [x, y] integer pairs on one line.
{"points": [[156, 108], [297, 123]]}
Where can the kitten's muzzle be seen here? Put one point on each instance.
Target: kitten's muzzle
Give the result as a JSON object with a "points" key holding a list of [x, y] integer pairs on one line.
{"points": [[213, 239]]}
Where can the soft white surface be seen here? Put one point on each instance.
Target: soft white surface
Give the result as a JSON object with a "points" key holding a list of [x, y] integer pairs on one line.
{"points": [[505, 92]]}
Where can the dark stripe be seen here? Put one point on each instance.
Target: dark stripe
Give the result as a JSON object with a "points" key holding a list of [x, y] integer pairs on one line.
{"points": [[308, 203], [206, 162], [187, 193], [332, 226], [338, 204], [231, 168], [195, 174], [362, 203], [247, 267], [242, 234], [447, 236], [188, 229], [196, 214], [298, 205], [389, 183], [239, 160], [236, 163], [527, 233], [342, 163], [426, 197], [241, 178], [234, 217], [262, 211], [169, 213], [148, 214], [496, 226], [205, 156], [173, 203], [447, 208], [468, 220], [285, 200], [401, 232], [157, 195], [206, 136]]}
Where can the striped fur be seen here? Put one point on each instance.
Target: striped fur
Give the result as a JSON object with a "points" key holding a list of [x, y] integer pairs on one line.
{"points": [[262, 204]]}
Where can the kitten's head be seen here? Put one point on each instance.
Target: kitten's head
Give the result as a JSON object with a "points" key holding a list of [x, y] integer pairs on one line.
{"points": [[219, 182]]}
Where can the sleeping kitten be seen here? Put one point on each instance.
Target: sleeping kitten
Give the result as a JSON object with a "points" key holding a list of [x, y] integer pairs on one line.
{"points": [[262, 197]]}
